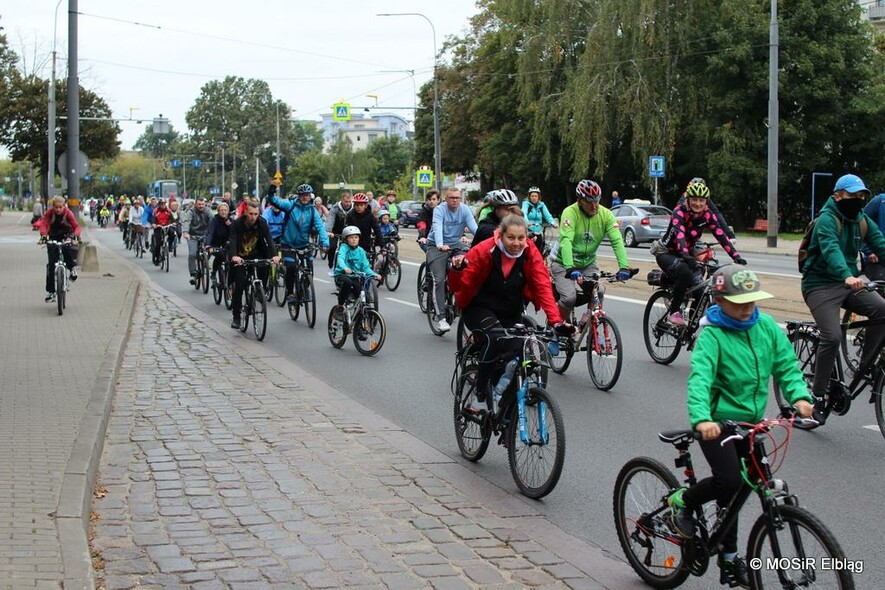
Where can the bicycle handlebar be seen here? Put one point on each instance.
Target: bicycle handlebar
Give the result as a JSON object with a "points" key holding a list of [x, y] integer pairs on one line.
{"points": [[255, 262]]}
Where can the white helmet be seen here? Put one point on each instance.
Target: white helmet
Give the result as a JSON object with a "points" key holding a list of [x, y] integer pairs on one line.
{"points": [[351, 230], [382, 213], [503, 197]]}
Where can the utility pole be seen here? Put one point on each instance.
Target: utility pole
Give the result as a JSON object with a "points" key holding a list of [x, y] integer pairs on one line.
{"points": [[773, 127], [73, 163]]}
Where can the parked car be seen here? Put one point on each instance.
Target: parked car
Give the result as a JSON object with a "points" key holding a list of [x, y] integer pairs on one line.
{"points": [[408, 213], [641, 222]]}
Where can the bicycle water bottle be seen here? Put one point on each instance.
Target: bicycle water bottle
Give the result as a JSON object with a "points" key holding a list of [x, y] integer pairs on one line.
{"points": [[505, 380]]}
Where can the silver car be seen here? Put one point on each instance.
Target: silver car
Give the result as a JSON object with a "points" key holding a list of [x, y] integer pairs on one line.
{"points": [[640, 221]]}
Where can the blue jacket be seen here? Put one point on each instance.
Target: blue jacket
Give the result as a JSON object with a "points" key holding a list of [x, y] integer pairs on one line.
{"points": [[875, 210], [536, 216], [353, 258], [275, 221], [301, 219], [148, 214]]}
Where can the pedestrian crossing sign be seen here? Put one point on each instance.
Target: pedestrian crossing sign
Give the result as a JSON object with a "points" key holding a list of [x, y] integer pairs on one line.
{"points": [[341, 111], [424, 178]]}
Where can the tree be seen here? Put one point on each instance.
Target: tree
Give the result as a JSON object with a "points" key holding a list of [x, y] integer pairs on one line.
{"points": [[28, 115], [393, 157], [156, 145], [8, 79]]}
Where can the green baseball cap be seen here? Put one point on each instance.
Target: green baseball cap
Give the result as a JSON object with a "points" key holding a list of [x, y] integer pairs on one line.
{"points": [[738, 285]]}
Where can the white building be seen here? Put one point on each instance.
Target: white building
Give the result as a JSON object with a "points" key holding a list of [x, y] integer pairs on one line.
{"points": [[874, 11], [363, 130]]}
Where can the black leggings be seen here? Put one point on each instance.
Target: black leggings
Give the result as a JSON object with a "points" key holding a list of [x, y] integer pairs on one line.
{"points": [[491, 349], [725, 462], [348, 285], [682, 274]]}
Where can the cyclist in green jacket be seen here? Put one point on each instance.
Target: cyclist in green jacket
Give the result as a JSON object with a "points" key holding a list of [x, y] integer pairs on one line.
{"points": [[736, 354], [582, 227]]}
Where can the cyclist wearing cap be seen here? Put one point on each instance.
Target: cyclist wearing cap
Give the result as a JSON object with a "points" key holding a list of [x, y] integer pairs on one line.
{"points": [[447, 232], [735, 355], [503, 202], [302, 217], [363, 218], [831, 266], [583, 226], [538, 216], [673, 252]]}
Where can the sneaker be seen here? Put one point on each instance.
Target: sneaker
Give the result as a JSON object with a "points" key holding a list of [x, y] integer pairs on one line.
{"points": [[290, 298], [478, 405], [193, 280], [339, 313], [49, 297], [681, 517], [676, 318], [361, 334], [235, 323], [74, 275], [734, 573], [820, 410], [442, 325]]}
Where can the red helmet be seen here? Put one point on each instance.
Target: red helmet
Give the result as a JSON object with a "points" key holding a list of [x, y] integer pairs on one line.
{"points": [[588, 190], [360, 198]]}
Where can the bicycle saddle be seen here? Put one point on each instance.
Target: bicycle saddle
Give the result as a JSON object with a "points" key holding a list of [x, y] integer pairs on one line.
{"points": [[675, 437]]}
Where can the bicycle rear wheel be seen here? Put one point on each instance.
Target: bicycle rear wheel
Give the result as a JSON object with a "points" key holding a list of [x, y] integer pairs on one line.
{"points": [[259, 312], [642, 520], [226, 291], [279, 285], [805, 347], [309, 299], [472, 432], [369, 332], [801, 541], [60, 288], [422, 287], [337, 328], [536, 464], [246, 309], [878, 394], [393, 276], [204, 272], [660, 340], [217, 289], [604, 357]]}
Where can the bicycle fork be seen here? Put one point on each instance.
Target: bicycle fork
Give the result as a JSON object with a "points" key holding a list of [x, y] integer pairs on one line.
{"points": [[522, 418]]}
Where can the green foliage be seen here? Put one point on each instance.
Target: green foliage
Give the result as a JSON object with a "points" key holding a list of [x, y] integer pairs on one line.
{"points": [[134, 170], [392, 157], [156, 145], [8, 78]]}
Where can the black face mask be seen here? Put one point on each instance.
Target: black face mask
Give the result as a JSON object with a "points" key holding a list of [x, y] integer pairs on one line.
{"points": [[850, 207]]}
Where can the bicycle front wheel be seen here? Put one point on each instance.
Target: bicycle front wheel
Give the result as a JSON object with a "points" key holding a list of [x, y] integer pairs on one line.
{"points": [[369, 332], [805, 347], [308, 296], [536, 458], [204, 273], [472, 431], [259, 312], [422, 287], [661, 342], [642, 520], [226, 290], [337, 327], [166, 259], [604, 357], [60, 288], [394, 276], [878, 386], [801, 542]]}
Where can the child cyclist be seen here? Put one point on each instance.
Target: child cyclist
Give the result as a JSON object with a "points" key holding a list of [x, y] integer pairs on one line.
{"points": [[736, 354], [351, 260]]}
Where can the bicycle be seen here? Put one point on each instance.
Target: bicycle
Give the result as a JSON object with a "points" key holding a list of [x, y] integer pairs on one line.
{"points": [[164, 245], [255, 304], [305, 293], [60, 273], [450, 311], [663, 340], [603, 344], [526, 419], [220, 288], [787, 542], [276, 280], [853, 336], [805, 338], [389, 267], [357, 316], [202, 266], [138, 243]]}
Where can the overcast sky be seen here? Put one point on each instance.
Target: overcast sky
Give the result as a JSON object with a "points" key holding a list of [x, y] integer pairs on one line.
{"points": [[311, 53]]}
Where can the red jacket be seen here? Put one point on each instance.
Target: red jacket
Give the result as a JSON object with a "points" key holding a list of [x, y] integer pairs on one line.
{"points": [[538, 288], [69, 219], [162, 216]]}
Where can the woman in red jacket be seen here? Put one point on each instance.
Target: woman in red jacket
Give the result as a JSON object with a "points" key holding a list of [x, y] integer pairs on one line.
{"points": [[490, 285], [59, 224]]}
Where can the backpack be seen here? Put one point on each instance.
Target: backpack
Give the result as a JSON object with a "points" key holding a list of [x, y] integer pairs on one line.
{"points": [[806, 239]]}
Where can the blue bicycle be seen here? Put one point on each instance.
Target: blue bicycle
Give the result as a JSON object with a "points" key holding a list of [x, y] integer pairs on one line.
{"points": [[526, 418]]}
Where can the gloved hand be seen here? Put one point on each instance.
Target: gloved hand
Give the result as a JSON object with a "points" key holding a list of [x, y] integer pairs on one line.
{"points": [[624, 274], [43, 240], [564, 328], [271, 190], [740, 260], [574, 274]]}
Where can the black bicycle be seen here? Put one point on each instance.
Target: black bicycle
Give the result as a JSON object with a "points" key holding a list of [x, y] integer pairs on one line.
{"points": [[526, 419], [60, 273], [164, 238], [201, 281], [450, 310], [358, 317], [788, 546], [663, 340], [305, 293], [388, 263], [254, 302], [220, 287]]}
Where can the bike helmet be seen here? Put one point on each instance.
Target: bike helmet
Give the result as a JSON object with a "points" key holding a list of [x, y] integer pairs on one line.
{"points": [[697, 180], [697, 190], [382, 213], [502, 197], [533, 189], [588, 190], [351, 230], [360, 198], [304, 189]]}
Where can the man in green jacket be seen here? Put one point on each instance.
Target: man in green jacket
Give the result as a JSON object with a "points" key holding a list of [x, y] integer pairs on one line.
{"points": [[831, 281], [736, 354], [582, 227]]}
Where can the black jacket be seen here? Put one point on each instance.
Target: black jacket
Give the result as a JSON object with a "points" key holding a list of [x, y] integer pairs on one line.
{"points": [[251, 242]]}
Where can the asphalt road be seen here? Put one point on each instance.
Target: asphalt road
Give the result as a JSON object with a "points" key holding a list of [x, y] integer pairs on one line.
{"points": [[837, 471]]}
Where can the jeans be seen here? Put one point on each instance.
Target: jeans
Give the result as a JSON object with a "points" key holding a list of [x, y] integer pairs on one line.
{"points": [[437, 264], [193, 248]]}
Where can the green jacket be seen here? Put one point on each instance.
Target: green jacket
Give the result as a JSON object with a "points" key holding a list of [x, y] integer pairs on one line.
{"points": [[580, 237], [832, 254], [730, 371]]}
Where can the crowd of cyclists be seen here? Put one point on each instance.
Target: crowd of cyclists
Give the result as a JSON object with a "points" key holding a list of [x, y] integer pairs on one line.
{"points": [[498, 260]]}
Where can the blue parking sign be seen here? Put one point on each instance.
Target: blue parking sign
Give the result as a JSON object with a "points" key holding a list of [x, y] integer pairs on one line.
{"points": [[656, 166]]}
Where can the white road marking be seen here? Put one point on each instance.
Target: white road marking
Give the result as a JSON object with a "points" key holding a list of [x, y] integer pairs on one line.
{"points": [[316, 278], [872, 427], [406, 262], [400, 301]]}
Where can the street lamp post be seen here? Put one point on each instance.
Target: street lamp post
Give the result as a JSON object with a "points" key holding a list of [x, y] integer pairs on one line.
{"points": [[814, 176], [437, 152], [278, 136], [773, 127], [50, 127]]}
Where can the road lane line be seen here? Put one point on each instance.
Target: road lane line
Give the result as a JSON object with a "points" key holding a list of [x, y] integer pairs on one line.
{"points": [[872, 427], [409, 303]]}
